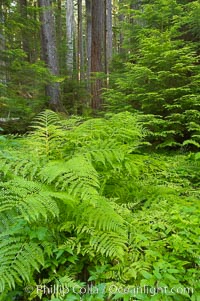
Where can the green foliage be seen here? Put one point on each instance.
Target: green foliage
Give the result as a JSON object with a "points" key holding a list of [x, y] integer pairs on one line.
{"points": [[160, 76], [22, 96], [23, 76], [82, 206], [55, 173]]}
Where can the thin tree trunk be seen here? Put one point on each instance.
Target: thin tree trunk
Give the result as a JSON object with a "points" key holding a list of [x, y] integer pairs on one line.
{"points": [[108, 38], [109, 31], [97, 51], [115, 8], [105, 65], [25, 40], [88, 36], [2, 47], [59, 32], [35, 45], [121, 35], [50, 52], [70, 36], [80, 41]]}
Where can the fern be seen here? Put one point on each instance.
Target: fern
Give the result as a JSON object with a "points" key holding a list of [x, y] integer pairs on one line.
{"points": [[78, 194], [47, 137], [57, 178], [106, 152], [109, 244], [97, 243], [21, 201], [124, 128], [18, 259], [29, 199], [76, 176], [91, 215]]}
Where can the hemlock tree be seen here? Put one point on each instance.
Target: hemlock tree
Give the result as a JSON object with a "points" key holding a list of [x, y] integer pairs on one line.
{"points": [[158, 71]]}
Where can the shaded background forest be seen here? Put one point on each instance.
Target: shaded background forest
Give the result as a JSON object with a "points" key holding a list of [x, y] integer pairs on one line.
{"points": [[90, 57]]}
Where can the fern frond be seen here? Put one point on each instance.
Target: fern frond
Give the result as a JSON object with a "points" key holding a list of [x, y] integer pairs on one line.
{"points": [[124, 128], [47, 137], [17, 260], [92, 214], [99, 228], [30, 199], [45, 119], [103, 151], [61, 170], [14, 163], [109, 244], [76, 175], [96, 242]]}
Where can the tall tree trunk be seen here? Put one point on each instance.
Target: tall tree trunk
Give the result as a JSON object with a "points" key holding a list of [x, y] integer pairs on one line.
{"points": [[108, 36], [25, 40], [70, 36], [97, 51], [59, 32], [109, 29], [80, 42], [2, 47], [88, 4], [35, 43], [50, 52], [121, 35], [115, 21]]}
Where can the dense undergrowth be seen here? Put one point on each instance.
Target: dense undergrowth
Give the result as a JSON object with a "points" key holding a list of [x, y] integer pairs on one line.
{"points": [[87, 212]]}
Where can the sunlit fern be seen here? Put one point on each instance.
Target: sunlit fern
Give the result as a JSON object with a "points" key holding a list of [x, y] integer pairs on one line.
{"points": [[56, 176]]}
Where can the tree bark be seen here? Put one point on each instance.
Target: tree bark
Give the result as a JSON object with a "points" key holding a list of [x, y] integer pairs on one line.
{"points": [[121, 35], [97, 46], [50, 52], [25, 40], [108, 36], [80, 41], [88, 4], [109, 30], [70, 36], [2, 47], [59, 32]]}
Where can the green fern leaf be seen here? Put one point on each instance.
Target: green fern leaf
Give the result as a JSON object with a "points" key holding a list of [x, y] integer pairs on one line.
{"points": [[30, 199], [75, 175], [17, 260]]}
